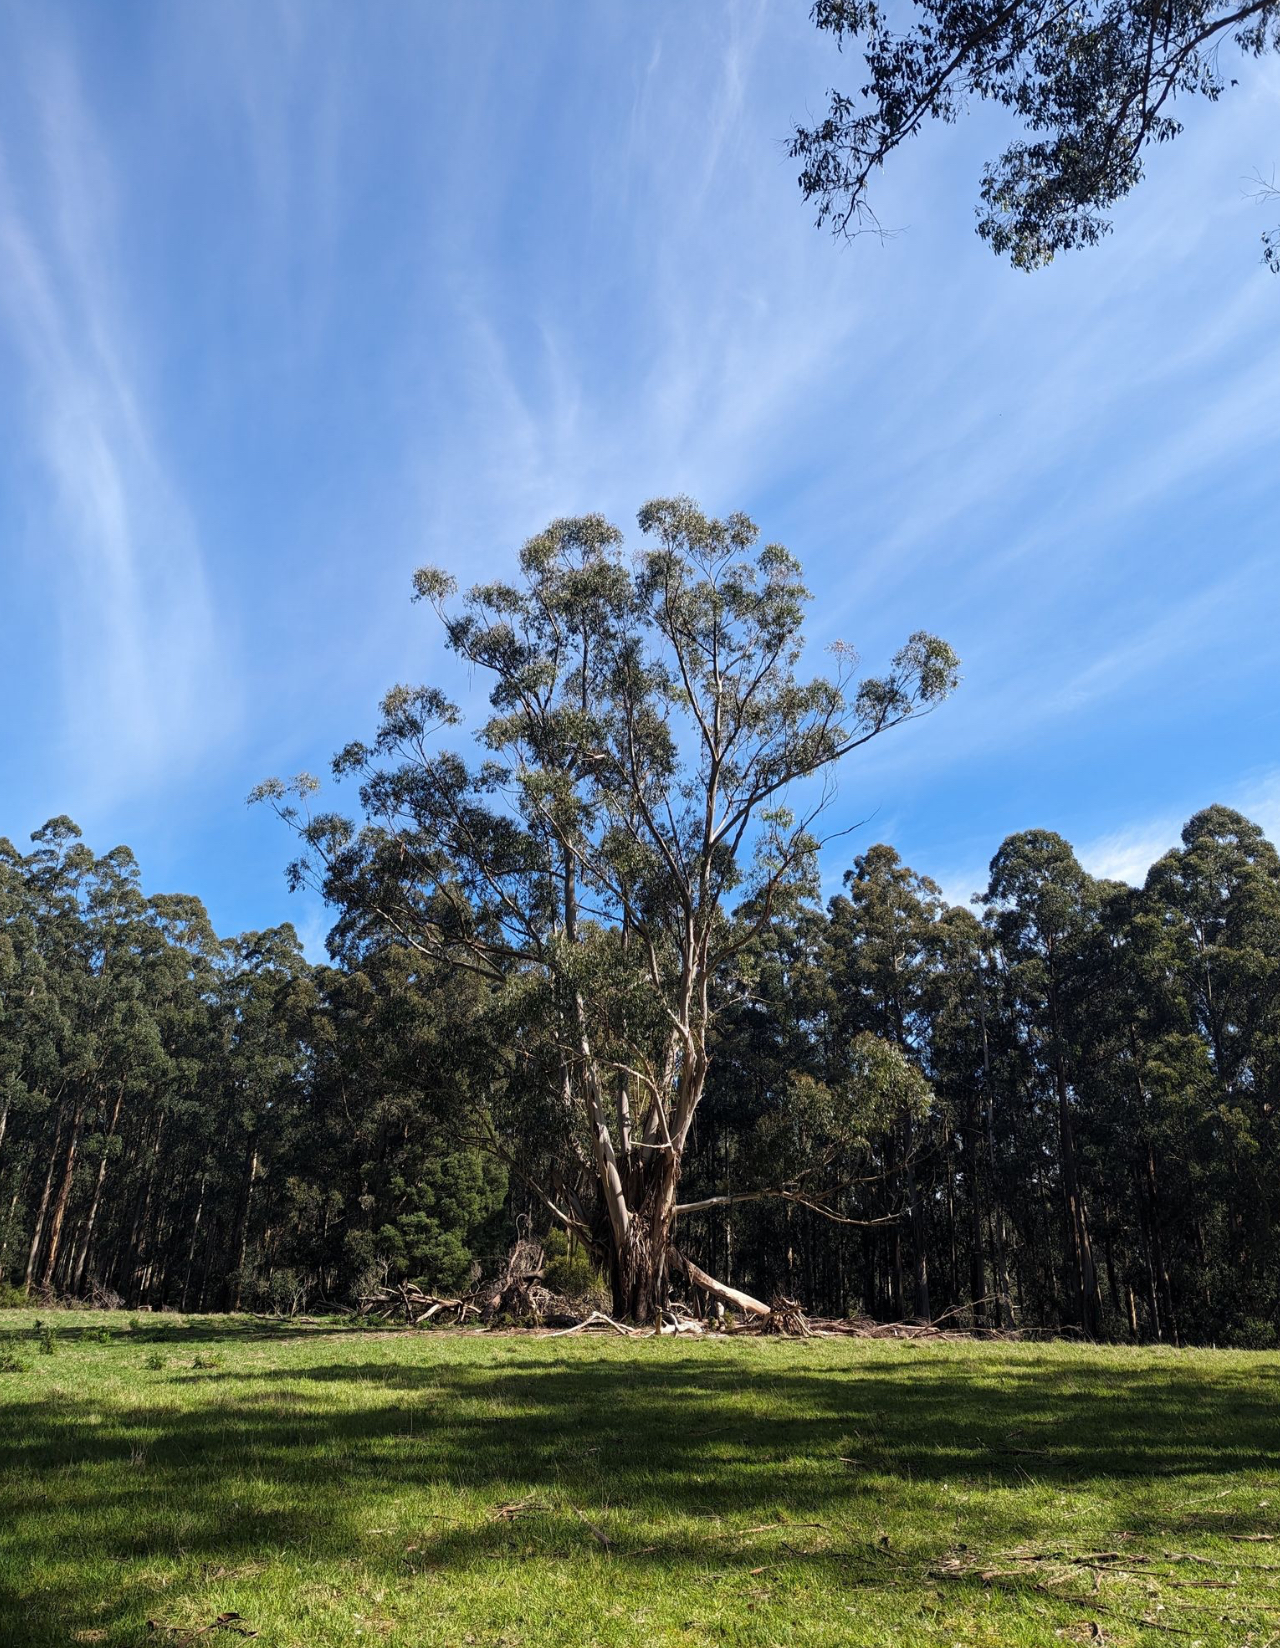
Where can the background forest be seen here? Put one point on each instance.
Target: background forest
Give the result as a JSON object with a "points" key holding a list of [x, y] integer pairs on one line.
{"points": [[1092, 1144]]}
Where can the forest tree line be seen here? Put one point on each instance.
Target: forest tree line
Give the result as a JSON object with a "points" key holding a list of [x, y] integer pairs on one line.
{"points": [[1055, 1110]]}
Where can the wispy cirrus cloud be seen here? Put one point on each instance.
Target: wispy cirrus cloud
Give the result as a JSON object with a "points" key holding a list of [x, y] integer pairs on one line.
{"points": [[682, 319], [298, 296], [1128, 853], [108, 539]]}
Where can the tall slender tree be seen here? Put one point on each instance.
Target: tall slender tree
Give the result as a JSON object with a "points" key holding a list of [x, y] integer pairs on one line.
{"points": [[1041, 905]]}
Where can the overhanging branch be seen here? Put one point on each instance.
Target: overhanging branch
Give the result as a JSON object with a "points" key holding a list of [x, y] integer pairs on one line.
{"points": [[781, 1196]]}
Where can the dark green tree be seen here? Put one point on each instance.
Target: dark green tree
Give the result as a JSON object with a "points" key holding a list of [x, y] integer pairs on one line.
{"points": [[884, 956], [1084, 1087], [1213, 912], [1041, 905], [1093, 88]]}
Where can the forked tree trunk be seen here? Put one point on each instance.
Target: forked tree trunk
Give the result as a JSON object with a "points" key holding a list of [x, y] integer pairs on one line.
{"points": [[636, 1243], [641, 1276], [638, 1273], [640, 1263]]}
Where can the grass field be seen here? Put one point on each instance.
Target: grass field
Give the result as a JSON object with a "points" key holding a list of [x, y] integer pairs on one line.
{"points": [[330, 1486]]}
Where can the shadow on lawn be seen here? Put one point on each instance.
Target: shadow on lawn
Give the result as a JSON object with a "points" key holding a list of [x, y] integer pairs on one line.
{"points": [[161, 1328], [283, 1459]]}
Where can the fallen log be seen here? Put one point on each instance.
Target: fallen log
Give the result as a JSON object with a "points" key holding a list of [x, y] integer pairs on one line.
{"points": [[733, 1297], [598, 1319]]}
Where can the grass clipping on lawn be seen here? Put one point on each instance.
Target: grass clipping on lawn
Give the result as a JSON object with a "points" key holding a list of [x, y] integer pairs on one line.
{"points": [[205, 1479]]}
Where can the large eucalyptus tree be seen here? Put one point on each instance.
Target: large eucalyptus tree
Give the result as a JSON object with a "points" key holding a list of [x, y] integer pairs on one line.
{"points": [[639, 805]]}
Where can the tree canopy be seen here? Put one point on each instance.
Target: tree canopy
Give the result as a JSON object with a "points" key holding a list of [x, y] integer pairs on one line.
{"points": [[641, 806], [1056, 1111], [1092, 88]]}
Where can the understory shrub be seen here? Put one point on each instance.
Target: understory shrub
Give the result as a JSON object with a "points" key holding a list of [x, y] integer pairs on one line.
{"points": [[568, 1271]]}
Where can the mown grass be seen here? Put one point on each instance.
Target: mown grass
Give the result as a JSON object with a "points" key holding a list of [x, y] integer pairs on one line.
{"points": [[330, 1486]]}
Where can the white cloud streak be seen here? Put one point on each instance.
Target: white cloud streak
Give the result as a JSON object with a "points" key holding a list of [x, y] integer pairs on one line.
{"points": [[117, 555], [1126, 854], [460, 278]]}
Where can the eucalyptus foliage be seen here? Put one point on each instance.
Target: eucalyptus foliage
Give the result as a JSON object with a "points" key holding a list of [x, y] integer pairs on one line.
{"points": [[637, 809], [1092, 89]]}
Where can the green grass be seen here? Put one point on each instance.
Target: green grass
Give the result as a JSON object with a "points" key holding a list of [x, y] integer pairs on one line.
{"points": [[331, 1486]]}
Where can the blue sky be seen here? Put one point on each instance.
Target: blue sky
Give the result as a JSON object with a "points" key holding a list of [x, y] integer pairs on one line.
{"points": [[295, 297]]}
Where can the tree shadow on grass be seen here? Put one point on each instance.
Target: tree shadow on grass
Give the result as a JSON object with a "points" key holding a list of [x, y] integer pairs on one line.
{"points": [[73, 1327], [665, 1451]]}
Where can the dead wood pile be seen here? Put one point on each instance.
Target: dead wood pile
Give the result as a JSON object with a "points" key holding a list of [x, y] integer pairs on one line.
{"points": [[407, 1300], [517, 1296], [785, 1318], [863, 1327]]}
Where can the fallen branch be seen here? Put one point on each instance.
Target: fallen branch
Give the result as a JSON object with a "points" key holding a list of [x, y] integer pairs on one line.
{"points": [[598, 1319], [605, 1541], [730, 1296], [407, 1300]]}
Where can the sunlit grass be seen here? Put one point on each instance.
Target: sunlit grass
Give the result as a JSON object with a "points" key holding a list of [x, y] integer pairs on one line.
{"points": [[328, 1485]]}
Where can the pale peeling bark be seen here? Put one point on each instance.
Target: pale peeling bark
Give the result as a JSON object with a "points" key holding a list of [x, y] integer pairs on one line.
{"points": [[733, 1297]]}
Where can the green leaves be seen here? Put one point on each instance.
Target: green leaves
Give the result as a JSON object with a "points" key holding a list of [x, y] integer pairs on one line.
{"points": [[883, 1084], [431, 584], [1092, 85], [647, 725], [633, 813]]}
